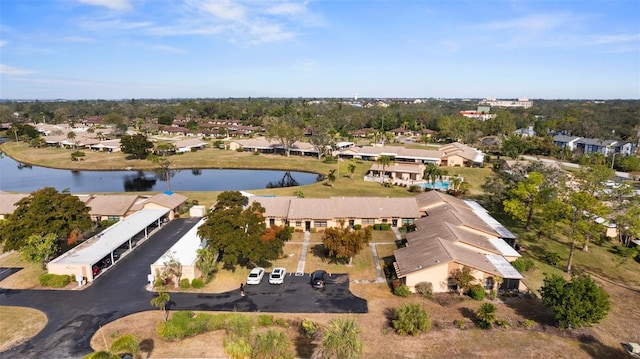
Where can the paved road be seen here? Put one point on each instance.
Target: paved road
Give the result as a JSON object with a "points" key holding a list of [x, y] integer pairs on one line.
{"points": [[74, 316]]}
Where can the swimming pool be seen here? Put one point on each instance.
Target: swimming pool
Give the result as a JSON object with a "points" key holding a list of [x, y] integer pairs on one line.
{"points": [[439, 185]]}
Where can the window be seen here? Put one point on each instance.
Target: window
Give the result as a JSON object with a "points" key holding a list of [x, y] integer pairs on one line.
{"points": [[320, 224], [451, 285], [407, 221], [368, 221], [114, 218], [385, 220], [488, 283], [298, 223]]}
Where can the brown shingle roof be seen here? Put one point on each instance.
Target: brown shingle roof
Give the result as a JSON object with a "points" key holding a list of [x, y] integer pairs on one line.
{"points": [[168, 200], [110, 205], [8, 201]]}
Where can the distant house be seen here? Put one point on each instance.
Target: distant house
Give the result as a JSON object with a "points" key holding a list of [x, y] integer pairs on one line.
{"points": [[526, 132], [457, 154], [399, 154], [190, 144], [401, 171], [453, 234], [110, 207], [167, 200], [263, 145], [564, 141], [593, 145]]}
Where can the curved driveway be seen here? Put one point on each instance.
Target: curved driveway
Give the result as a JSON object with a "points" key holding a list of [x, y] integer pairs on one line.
{"points": [[74, 316]]}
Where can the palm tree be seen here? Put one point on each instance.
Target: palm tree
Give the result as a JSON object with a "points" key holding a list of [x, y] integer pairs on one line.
{"points": [[160, 302], [351, 168], [331, 177], [341, 339], [486, 315], [384, 160], [432, 173], [72, 136]]}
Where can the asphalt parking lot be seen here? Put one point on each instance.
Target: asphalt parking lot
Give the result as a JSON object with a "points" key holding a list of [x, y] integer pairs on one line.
{"points": [[120, 290]]}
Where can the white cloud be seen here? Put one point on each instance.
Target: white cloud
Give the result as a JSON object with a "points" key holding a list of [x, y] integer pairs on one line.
{"points": [[14, 71], [3, 43], [120, 5], [534, 23], [170, 49]]}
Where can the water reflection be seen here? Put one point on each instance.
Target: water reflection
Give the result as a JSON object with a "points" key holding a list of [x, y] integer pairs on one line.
{"points": [[16, 177]]}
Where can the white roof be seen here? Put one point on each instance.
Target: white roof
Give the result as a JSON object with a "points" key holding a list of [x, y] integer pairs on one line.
{"points": [[490, 221], [185, 250], [504, 267], [99, 246], [504, 248]]}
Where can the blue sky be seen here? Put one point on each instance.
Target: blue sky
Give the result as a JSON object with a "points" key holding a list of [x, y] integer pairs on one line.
{"points": [[119, 49]]}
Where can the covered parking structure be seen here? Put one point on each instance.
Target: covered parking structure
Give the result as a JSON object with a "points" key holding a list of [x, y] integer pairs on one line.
{"points": [[99, 250]]}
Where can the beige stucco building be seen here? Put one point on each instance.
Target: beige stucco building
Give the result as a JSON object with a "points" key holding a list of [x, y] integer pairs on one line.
{"points": [[453, 234]]}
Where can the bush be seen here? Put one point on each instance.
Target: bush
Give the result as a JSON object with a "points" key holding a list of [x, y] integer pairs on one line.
{"points": [[425, 289], [310, 328], [158, 282], [527, 324], [357, 227], [265, 320], [402, 291], [282, 322], [291, 229], [376, 227], [522, 264], [240, 149], [197, 283], [411, 320], [459, 323], [414, 188], [502, 323], [551, 258], [385, 226], [184, 283], [492, 294], [476, 292], [183, 324], [54, 280]]}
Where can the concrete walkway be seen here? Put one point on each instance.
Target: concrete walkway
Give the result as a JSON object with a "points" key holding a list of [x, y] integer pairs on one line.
{"points": [[303, 254]]}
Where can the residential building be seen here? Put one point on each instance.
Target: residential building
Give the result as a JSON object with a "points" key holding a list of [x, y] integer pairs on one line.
{"points": [[454, 234]]}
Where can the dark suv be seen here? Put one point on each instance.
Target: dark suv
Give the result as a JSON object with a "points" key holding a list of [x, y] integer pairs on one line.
{"points": [[319, 279]]}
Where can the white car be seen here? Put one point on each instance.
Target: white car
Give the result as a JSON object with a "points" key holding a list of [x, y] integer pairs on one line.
{"points": [[277, 275], [255, 276]]}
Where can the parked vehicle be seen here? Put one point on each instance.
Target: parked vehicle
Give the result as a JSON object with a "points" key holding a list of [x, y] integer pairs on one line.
{"points": [[96, 270], [255, 276], [319, 279], [277, 275]]}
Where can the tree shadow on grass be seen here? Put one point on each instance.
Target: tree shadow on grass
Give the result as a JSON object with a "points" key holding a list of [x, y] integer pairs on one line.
{"points": [[596, 349], [304, 346], [321, 252], [147, 346], [468, 313]]}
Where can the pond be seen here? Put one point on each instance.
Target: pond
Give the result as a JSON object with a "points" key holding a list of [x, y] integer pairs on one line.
{"points": [[17, 177]]}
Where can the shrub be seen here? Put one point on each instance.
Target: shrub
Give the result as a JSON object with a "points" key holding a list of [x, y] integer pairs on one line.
{"points": [[425, 289], [552, 258], [158, 282], [239, 326], [414, 188], [240, 149], [309, 327], [476, 292], [282, 322], [376, 227], [197, 283], [184, 283], [265, 320], [411, 320], [459, 323], [183, 324], [357, 227], [402, 291], [492, 294], [486, 315], [54, 280], [502, 323], [385, 226], [527, 324], [291, 229], [522, 264]]}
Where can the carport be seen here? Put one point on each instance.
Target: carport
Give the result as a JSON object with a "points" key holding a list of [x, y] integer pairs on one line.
{"points": [[81, 259]]}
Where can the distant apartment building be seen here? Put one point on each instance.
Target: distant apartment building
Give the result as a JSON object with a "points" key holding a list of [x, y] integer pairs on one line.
{"points": [[521, 102]]}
